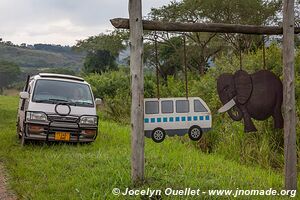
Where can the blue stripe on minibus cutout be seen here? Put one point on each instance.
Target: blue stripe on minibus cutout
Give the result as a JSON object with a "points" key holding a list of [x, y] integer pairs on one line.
{"points": [[177, 119]]}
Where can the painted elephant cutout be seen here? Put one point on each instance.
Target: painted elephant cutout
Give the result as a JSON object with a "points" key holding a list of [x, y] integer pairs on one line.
{"points": [[245, 96]]}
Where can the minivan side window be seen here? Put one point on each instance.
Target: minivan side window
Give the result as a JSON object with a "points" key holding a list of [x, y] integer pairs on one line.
{"points": [[198, 106], [151, 107], [182, 106], [167, 106]]}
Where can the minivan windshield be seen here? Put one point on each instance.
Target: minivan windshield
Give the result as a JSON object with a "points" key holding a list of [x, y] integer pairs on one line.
{"points": [[55, 91]]}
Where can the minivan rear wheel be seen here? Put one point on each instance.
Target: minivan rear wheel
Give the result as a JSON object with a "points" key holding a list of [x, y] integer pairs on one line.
{"points": [[195, 133], [158, 135]]}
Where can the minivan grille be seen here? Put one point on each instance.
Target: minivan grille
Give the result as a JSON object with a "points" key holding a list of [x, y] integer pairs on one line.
{"points": [[62, 118]]}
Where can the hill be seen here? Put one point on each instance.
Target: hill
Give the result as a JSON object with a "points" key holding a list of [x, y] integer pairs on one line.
{"points": [[41, 56]]}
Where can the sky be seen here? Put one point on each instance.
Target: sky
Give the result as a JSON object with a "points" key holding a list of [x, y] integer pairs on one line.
{"points": [[61, 21]]}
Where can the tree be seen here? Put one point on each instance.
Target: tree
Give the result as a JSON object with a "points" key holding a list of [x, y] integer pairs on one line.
{"points": [[202, 47], [9, 72], [99, 61], [169, 56], [254, 12], [102, 50]]}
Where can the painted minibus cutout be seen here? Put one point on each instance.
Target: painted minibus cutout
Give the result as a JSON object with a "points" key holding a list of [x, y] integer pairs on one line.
{"points": [[176, 116]]}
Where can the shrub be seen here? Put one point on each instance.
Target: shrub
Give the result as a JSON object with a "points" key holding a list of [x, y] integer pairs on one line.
{"points": [[227, 138]]}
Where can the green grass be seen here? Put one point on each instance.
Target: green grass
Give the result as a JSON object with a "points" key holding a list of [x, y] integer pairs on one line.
{"points": [[64, 171]]}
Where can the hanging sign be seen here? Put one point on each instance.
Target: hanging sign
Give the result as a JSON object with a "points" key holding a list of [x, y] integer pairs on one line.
{"points": [[176, 116], [246, 96]]}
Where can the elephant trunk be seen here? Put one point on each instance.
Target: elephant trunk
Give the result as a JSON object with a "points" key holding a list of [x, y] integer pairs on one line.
{"points": [[235, 113]]}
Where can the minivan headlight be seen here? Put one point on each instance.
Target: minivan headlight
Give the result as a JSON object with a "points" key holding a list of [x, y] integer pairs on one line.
{"points": [[36, 116], [89, 120]]}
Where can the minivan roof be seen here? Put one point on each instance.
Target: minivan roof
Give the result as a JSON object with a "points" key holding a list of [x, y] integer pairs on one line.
{"points": [[61, 76]]}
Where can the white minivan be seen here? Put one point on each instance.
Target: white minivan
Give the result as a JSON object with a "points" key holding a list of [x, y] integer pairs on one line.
{"points": [[176, 116], [56, 107]]}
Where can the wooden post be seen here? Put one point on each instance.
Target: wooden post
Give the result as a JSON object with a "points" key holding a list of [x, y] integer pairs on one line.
{"points": [[137, 91], [290, 151]]}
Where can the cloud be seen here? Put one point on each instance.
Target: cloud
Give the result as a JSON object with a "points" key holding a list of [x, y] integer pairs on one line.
{"points": [[61, 21]]}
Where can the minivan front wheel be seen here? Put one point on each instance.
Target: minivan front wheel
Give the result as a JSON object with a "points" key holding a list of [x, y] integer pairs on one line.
{"points": [[195, 133], [158, 135]]}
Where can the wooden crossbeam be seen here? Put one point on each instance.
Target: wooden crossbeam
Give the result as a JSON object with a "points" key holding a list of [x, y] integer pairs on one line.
{"points": [[123, 23]]}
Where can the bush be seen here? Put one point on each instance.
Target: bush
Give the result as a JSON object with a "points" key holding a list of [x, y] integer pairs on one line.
{"points": [[114, 88], [227, 138]]}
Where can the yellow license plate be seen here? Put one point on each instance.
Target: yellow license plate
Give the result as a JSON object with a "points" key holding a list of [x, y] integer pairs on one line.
{"points": [[65, 136]]}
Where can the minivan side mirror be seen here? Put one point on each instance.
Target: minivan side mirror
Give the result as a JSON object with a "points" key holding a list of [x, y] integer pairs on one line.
{"points": [[24, 95], [98, 101]]}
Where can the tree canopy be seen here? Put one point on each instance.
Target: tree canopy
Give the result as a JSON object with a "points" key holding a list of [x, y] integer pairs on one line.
{"points": [[102, 51], [8, 73], [202, 47]]}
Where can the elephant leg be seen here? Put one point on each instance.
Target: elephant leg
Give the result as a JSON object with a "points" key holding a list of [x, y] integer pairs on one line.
{"points": [[277, 116], [248, 123]]}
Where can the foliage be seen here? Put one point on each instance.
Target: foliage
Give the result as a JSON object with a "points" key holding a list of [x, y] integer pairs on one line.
{"points": [[53, 48], [204, 47], [99, 61], [227, 137], [113, 88], [169, 57], [102, 51], [8, 73], [112, 42], [62, 171], [256, 12], [33, 59]]}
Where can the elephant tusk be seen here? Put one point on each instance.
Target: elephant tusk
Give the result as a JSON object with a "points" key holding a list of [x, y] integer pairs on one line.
{"points": [[227, 106]]}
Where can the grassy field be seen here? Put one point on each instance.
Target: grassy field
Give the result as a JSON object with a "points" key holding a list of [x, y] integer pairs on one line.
{"points": [[62, 171]]}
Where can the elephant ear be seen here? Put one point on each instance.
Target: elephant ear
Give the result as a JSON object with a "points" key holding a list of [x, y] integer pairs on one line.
{"points": [[243, 86]]}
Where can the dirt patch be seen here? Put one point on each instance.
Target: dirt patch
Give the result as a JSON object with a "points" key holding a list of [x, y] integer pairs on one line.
{"points": [[5, 194]]}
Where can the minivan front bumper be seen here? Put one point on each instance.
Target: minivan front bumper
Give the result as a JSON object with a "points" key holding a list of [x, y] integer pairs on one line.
{"points": [[68, 125]]}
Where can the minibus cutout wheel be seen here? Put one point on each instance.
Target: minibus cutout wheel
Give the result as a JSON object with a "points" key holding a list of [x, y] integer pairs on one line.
{"points": [[158, 135], [195, 133]]}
